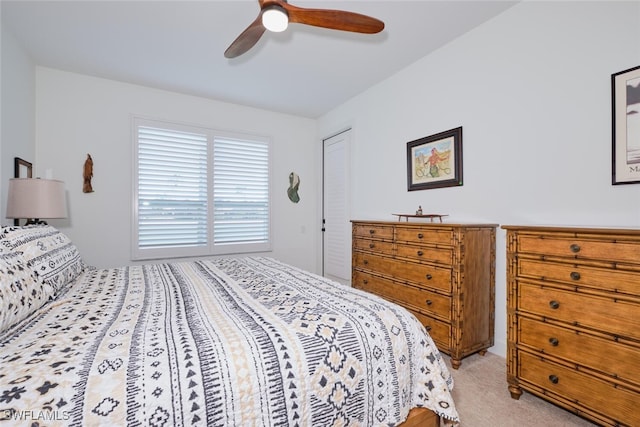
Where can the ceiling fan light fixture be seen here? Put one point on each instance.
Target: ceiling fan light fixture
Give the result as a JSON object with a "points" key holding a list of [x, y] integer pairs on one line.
{"points": [[275, 18]]}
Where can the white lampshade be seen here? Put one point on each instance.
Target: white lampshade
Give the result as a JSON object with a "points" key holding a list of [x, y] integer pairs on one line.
{"points": [[275, 18], [36, 198]]}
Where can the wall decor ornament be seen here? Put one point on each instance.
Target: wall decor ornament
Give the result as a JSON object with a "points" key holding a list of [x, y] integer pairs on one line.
{"points": [[625, 121], [87, 174], [294, 184], [435, 161]]}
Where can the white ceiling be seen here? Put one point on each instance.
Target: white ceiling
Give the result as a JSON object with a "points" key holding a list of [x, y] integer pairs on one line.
{"points": [[179, 46]]}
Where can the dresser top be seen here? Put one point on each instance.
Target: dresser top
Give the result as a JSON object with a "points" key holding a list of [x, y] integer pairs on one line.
{"points": [[436, 223], [573, 229]]}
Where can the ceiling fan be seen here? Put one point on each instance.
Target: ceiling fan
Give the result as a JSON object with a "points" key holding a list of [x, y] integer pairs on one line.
{"points": [[276, 14]]}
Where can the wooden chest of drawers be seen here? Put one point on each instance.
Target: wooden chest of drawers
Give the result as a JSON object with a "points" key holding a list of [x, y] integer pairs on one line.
{"points": [[573, 319], [442, 273]]}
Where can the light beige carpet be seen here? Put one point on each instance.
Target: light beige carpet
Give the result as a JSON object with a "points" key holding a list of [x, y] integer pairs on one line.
{"points": [[483, 400]]}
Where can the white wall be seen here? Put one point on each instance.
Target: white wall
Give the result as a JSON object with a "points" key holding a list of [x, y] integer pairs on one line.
{"points": [[531, 89], [77, 114], [17, 117]]}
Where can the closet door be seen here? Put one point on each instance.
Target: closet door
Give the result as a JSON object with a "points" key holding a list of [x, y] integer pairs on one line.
{"points": [[336, 213]]}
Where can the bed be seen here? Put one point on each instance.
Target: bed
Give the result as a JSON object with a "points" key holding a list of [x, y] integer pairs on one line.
{"points": [[225, 341]]}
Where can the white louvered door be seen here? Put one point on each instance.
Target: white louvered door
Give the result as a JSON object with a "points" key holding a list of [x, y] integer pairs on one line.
{"points": [[337, 234]]}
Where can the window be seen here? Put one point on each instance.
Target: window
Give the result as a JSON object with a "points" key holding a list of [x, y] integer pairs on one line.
{"points": [[199, 192]]}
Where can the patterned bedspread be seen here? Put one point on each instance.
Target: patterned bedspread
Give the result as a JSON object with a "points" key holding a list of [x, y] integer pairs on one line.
{"points": [[220, 342]]}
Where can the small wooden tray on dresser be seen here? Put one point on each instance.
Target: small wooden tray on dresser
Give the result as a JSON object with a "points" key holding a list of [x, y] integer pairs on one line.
{"points": [[427, 216], [573, 319], [443, 273]]}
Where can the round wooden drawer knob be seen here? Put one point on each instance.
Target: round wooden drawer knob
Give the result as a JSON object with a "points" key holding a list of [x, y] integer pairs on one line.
{"points": [[554, 379], [554, 305], [554, 342]]}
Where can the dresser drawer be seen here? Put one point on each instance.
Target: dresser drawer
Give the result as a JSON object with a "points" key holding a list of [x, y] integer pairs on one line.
{"points": [[422, 235], [610, 315], [606, 250], [420, 274], [373, 245], [439, 331], [371, 230], [610, 357], [617, 403], [426, 253], [408, 296], [575, 274]]}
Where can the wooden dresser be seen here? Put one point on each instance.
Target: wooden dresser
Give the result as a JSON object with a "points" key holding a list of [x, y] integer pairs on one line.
{"points": [[442, 273], [573, 319]]}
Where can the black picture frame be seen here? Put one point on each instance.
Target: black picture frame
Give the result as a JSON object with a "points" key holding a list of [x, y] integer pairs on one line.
{"points": [[21, 169], [435, 161], [625, 127]]}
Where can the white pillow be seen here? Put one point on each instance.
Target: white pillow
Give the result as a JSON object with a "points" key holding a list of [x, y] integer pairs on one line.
{"points": [[50, 253], [21, 293]]}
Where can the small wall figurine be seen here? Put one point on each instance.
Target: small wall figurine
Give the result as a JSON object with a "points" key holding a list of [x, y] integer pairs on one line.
{"points": [[294, 184], [87, 174]]}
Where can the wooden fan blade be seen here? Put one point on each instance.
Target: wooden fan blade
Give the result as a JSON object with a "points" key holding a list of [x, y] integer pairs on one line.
{"points": [[247, 39], [333, 19]]}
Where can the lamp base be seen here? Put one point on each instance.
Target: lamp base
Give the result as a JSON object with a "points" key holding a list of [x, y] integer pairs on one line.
{"points": [[35, 221]]}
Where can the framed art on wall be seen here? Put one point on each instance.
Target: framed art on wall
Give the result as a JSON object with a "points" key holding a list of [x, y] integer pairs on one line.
{"points": [[625, 124], [21, 169], [435, 161]]}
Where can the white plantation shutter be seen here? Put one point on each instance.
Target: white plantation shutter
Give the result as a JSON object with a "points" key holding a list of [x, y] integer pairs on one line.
{"points": [[241, 192], [197, 194], [171, 191]]}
